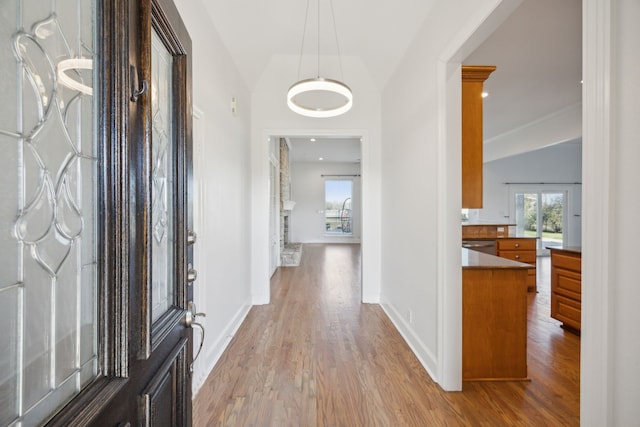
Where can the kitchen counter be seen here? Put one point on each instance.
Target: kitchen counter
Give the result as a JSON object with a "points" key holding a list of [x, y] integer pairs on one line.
{"points": [[569, 249], [519, 249], [477, 260], [484, 224], [498, 238], [494, 317]]}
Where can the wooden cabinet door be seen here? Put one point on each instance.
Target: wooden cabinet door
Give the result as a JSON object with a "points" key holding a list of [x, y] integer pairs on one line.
{"points": [[473, 78], [566, 288]]}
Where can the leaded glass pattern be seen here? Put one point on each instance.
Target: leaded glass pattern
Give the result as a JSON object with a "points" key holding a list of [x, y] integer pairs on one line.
{"points": [[48, 297], [163, 282]]}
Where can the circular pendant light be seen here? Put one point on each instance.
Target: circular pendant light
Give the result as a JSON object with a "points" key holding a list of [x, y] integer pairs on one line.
{"points": [[326, 89], [319, 97]]}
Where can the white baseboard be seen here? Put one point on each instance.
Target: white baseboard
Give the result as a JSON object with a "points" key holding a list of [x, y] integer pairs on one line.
{"points": [[425, 357], [205, 363]]}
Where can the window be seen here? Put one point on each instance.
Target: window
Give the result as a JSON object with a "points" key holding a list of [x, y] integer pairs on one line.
{"points": [[337, 207]]}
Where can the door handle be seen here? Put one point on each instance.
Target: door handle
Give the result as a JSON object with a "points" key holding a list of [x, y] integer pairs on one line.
{"points": [[189, 320]]}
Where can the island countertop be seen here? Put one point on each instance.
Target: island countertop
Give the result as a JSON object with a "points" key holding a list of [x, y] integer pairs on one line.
{"points": [[477, 260], [517, 236], [572, 249]]}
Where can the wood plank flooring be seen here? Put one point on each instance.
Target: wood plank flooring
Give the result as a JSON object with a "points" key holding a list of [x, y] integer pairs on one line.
{"points": [[316, 356]]}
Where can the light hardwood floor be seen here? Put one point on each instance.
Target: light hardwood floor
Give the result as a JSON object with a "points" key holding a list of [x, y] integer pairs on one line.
{"points": [[316, 356]]}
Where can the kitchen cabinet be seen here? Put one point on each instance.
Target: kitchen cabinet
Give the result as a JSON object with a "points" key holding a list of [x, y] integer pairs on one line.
{"points": [[494, 318], [566, 286], [473, 77], [521, 250]]}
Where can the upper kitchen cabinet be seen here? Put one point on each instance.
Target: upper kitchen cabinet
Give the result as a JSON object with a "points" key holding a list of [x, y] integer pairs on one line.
{"points": [[473, 77]]}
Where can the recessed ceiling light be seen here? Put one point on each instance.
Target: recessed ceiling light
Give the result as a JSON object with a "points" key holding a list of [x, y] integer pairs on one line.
{"points": [[485, 94], [312, 140], [320, 158]]}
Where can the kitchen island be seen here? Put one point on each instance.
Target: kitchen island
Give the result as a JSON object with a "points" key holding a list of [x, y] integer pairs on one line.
{"points": [[494, 317], [504, 241]]}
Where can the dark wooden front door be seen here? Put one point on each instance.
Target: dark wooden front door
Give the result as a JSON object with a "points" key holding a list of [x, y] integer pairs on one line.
{"points": [[143, 115]]}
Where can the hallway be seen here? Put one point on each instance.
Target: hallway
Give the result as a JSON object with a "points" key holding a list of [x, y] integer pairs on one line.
{"points": [[316, 356]]}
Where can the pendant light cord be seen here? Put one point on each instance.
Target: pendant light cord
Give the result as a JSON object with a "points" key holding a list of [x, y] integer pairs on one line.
{"points": [[335, 31], [318, 76], [319, 84], [304, 33]]}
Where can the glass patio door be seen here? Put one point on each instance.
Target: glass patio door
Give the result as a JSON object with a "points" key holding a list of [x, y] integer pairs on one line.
{"points": [[541, 214]]}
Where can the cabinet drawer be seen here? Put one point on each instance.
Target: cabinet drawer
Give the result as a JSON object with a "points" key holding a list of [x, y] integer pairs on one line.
{"points": [[567, 311], [567, 283], [569, 262], [528, 257], [517, 244]]}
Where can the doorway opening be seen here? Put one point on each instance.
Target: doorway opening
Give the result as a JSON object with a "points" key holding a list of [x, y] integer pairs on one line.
{"points": [[501, 13], [315, 192]]}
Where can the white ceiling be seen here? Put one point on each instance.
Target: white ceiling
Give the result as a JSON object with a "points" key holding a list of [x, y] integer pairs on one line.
{"points": [[538, 55], [537, 51], [339, 150], [377, 31]]}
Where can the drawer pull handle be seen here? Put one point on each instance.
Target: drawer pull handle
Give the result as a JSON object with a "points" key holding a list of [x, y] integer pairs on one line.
{"points": [[517, 245], [517, 256]]}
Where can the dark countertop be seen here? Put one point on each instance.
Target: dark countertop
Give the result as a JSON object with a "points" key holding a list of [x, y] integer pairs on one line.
{"points": [[478, 260], [497, 238], [572, 249], [488, 224]]}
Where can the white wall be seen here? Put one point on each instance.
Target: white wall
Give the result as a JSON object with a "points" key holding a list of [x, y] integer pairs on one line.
{"points": [[610, 358], [307, 190], [561, 163], [271, 116], [624, 292], [222, 189], [421, 189]]}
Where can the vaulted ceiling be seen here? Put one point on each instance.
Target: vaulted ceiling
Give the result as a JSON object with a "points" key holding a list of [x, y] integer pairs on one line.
{"points": [[538, 54], [537, 50], [377, 31]]}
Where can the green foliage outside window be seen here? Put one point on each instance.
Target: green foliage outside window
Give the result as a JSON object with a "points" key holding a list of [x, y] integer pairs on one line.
{"points": [[551, 214]]}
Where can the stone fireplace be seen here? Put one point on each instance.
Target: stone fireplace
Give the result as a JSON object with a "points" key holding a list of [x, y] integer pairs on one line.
{"points": [[285, 192], [290, 252], [285, 229]]}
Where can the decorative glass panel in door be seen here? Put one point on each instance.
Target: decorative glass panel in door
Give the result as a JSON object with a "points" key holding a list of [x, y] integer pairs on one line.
{"points": [[48, 192], [162, 185]]}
